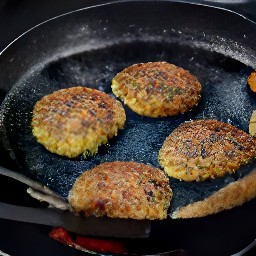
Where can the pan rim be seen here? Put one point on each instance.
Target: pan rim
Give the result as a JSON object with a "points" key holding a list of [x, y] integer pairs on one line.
{"points": [[124, 1], [113, 2]]}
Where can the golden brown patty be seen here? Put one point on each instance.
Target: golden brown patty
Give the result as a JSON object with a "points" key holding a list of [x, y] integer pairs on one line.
{"points": [[234, 194], [205, 149], [157, 89], [76, 120], [122, 190]]}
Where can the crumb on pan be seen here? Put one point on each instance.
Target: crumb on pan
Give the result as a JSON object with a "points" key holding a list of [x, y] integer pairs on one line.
{"points": [[205, 149], [77, 120], [157, 89], [122, 190]]}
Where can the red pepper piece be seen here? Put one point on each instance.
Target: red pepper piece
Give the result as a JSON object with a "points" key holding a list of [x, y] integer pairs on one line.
{"points": [[62, 236], [87, 243], [101, 245]]}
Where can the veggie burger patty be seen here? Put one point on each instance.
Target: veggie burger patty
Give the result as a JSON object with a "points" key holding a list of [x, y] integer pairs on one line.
{"points": [[205, 149], [76, 121], [157, 89], [122, 190]]}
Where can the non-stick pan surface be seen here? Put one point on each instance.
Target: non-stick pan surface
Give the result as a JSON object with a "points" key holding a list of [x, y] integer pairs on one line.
{"points": [[226, 97], [90, 46]]}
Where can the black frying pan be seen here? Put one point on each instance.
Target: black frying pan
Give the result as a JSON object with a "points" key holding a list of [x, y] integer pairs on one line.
{"points": [[88, 48]]}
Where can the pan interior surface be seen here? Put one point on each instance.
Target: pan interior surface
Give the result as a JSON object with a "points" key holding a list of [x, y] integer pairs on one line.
{"points": [[225, 97]]}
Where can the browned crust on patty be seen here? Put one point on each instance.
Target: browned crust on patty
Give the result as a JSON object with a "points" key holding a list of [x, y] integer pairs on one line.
{"points": [[76, 120], [157, 89], [205, 149], [234, 194], [122, 190]]}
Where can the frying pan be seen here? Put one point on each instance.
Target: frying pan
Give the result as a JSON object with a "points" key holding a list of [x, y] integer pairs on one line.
{"points": [[88, 47]]}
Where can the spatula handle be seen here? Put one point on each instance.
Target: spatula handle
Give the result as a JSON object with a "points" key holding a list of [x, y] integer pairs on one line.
{"points": [[91, 226], [36, 189]]}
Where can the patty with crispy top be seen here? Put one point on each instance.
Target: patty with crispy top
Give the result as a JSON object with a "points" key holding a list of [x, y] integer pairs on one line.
{"points": [[77, 120], [122, 190], [157, 89], [205, 149]]}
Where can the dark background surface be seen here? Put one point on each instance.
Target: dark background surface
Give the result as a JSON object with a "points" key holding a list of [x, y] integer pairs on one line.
{"points": [[16, 17]]}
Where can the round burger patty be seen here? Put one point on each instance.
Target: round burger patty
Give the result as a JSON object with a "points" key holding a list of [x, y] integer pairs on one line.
{"points": [[157, 89], [76, 120], [122, 190], [205, 149]]}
